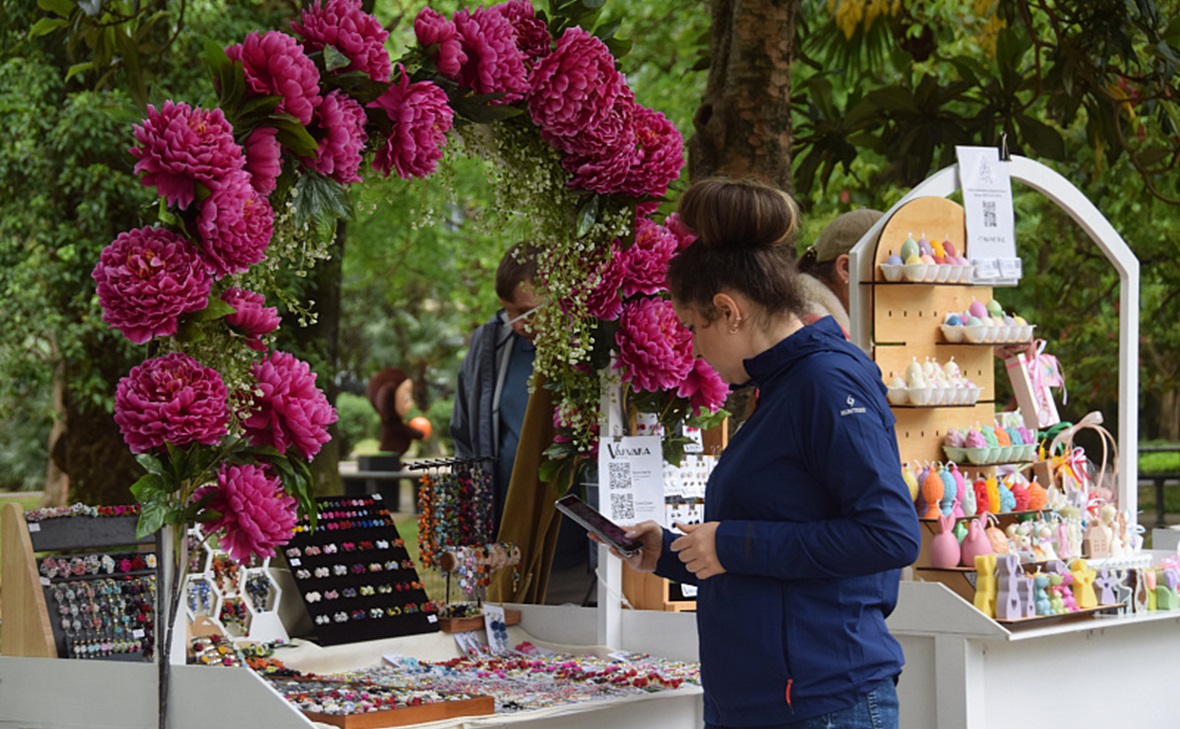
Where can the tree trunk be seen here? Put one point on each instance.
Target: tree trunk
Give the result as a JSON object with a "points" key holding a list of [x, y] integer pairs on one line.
{"points": [[323, 339], [57, 482], [743, 125], [1169, 416]]}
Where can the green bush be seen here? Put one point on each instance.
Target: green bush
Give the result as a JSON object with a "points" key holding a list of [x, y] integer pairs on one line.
{"points": [[357, 420]]}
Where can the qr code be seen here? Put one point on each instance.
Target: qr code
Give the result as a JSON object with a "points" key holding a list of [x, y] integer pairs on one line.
{"points": [[990, 219], [622, 506], [620, 475]]}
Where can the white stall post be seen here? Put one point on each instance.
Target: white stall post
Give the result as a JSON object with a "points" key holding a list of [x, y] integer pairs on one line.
{"points": [[610, 569]]}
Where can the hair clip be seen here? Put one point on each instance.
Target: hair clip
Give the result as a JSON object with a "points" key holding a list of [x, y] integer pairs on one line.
{"points": [[329, 549], [339, 569], [312, 551], [368, 590], [358, 568], [294, 552], [331, 595], [303, 574], [376, 613], [340, 617], [321, 572], [374, 566], [348, 546], [349, 592], [312, 597], [358, 614], [382, 544], [385, 589], [322, 619]]}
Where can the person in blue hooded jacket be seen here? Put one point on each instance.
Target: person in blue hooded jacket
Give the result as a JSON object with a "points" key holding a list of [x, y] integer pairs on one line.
{"points": [[807, 520]]}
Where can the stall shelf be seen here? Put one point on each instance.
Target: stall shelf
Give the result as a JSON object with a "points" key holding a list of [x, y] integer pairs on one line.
{"points": [[123, 695]]}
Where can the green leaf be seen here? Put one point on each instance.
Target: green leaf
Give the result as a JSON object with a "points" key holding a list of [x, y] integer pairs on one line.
{"points": [[215, 308], [187, 331], [476, 110], [334, 60], [1044, 139], [587, 216], [151, 517], [317, 197], [151, 464], [78, 68], [360, 86], [293, 135], [149, 489], [58, 7], [45, 26]]}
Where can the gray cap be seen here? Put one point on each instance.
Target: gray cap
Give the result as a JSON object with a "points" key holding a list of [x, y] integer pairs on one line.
{"points": [[843, 233]]}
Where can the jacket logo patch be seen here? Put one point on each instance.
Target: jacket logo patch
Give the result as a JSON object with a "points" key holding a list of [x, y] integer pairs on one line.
{"points": [[853, 408]]}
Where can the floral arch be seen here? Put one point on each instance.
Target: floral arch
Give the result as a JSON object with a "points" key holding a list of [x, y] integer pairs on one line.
{"points": [[225, 425]]}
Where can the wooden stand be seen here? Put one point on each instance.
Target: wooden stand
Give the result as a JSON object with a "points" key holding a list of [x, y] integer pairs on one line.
{"points": [[646, 591], [474, 622], [26, 630]]}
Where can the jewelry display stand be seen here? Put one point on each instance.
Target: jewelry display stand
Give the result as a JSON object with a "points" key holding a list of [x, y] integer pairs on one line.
{"points": [[354, 574], [100, 603], [238, 602]]}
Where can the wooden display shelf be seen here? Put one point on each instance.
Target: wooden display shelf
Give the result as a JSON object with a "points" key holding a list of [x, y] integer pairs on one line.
{"points": [[474, 706], [474, 622]]}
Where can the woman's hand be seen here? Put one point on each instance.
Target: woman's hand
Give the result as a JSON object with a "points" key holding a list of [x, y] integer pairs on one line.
{"points": [[697, 549], [650, 536]]}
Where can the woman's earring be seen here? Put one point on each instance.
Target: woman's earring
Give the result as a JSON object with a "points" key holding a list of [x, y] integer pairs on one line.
{"points": [[737, 324]]}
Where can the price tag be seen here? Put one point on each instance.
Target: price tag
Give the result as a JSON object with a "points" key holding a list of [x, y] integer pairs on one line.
{"points": [[294, 562], [45, 582], [432, 618], [34, 527], [137, 633]]}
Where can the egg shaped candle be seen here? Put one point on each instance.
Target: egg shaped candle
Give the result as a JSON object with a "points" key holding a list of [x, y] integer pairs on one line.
{"points": [[909, 248]]}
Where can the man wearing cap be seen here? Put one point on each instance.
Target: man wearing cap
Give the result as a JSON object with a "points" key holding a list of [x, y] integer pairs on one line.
{"points": [[824, 268]]}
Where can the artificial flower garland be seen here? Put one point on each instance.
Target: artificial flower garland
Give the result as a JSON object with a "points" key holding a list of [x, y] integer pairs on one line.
{"points": [[225, 432]]}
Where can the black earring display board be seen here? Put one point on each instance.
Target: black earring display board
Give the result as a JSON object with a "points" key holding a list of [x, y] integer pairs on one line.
{"points": [[102, 604], [354, 574]]}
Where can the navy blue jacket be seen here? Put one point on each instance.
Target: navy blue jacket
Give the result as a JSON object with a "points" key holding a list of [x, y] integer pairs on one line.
{"points": [[815, 525]]}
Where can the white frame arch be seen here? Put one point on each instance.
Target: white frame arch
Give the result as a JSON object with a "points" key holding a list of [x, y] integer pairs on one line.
{"points": [[1059, 190]]}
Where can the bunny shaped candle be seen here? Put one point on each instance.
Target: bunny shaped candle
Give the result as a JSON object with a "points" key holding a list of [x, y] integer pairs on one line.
{"points": [[944, 548], [975, 543]]}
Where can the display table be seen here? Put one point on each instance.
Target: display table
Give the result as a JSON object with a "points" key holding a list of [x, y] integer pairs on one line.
{"points": [[966, 671], [51, 693]]}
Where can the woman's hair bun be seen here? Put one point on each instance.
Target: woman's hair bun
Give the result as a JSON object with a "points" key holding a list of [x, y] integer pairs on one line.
{"points": [[739, 213]]}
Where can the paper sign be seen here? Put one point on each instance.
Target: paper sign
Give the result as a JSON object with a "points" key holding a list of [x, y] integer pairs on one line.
{"points": [[991, 224], [631, 487]]}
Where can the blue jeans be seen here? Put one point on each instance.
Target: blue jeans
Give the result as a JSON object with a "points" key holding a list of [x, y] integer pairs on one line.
{"points": [[878, 709]]}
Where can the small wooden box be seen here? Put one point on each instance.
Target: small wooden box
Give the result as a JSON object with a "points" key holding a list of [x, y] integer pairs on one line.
{"points": [[475, 706]]}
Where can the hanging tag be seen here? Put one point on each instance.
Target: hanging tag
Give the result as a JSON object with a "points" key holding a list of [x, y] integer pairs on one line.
{"points": [[991, 224]]}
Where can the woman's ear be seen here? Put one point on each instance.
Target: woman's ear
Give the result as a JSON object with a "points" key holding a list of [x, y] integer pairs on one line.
{"points": [[843, 264], [729, 311]]}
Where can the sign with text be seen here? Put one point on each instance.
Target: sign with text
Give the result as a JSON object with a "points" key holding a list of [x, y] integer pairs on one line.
{"points": [[631, 484], [991, 224]]}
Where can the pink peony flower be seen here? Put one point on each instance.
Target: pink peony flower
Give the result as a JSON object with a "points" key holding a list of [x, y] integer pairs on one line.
{"points": [[684, 234], [655, 351], [604, 301], [147, 279], [343, 123], [252, 320], [421, 119], [171, 399], [532, 35], [645, 264], [574, 88], [275, 63], [703, 387], [345, 26], [660, 155], [181, 147], [601, 159], [264, 159], [256, 515], [494, 63], [234, 226], [431, 28], [291, 411]]}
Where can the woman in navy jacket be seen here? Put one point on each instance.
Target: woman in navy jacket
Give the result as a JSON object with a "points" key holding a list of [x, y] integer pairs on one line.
{"points": [[807, 520]]}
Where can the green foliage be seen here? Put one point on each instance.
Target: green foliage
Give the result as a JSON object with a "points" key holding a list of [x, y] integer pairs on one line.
{"points": [[357, 420]]}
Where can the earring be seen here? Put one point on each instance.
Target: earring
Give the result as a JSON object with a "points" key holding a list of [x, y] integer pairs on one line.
{"points": [[737, 324]]}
